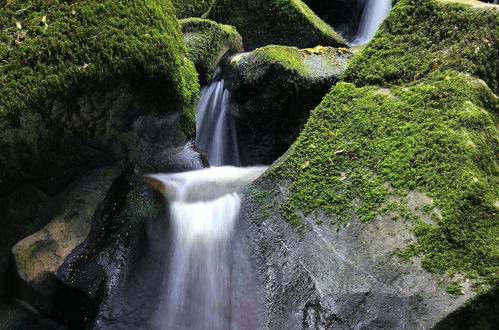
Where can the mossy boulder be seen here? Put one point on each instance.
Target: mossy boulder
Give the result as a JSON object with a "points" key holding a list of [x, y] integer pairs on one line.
{"points": [[81, 82], [389, 196], [191, 8], [275, 87], [282, 22], [208, 42], [440, 34]]}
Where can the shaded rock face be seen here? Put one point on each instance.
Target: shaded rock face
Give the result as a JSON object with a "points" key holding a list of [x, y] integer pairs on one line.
{"points": [[274, 88], [323, 278], [38, 256], [343, 15], [65, 135], [207, 42]]}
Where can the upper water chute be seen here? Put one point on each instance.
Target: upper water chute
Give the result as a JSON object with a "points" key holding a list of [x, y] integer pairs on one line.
{"points": [[373, 15], [216, 129]]}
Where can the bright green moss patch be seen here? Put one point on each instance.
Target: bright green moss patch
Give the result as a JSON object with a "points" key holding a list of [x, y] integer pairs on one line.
{"points": [[207, 41], [282, 22], [191, 8], [419, 37], [51, 46], [363, 147]]}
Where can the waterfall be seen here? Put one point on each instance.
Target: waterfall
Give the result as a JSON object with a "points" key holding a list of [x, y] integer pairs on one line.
{"points": [[216, 132], [374, 13], [210, 282]]}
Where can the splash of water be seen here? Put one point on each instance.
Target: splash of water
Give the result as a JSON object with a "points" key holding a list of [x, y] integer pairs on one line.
{"points": [[373, 15], [200, 290]]}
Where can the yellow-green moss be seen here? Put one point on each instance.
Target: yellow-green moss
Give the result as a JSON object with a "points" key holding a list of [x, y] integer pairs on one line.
{"points": [[191, 8], [419, 37], [207, 41], [438, 136], [49, 46], [282, 22]]}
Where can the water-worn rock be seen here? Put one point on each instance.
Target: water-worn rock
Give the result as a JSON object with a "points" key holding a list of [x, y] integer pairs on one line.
{"points": [[208, 42], [280, 22], [38, 257], [275, 87]]}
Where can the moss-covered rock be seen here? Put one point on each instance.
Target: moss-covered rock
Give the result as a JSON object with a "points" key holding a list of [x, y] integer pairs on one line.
{"points": [[208, 42], [440, 35], [191, 8], [275, 87], [282, 22], [81, 83], [393, 180]]}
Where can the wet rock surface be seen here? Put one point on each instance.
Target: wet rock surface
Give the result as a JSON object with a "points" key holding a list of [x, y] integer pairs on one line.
{"points": [[350, 278]]}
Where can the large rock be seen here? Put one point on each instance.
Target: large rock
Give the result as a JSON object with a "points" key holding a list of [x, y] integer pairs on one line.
{"points": [[383, 214], [90, 98], [208, 42], [281, 22], [275, 87], [38, 257], [191, 8]]}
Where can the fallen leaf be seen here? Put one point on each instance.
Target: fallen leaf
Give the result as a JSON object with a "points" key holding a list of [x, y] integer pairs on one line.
{"points": [[19, 26], [343, 176], [44, 19], [339, 151], [305, 165]]}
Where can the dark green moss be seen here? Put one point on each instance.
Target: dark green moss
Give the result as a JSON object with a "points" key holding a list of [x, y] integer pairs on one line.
{"points": [[49, 46], [207, 41], [363, 146], [282, 22], [191, 8], [419, 37], [455, 288]]}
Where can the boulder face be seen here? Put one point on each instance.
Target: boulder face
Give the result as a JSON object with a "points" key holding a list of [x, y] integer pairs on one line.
{"points": [[38, 257], [88, 107], [207, 42], [383, 212], [274, 88], [281, 22], [191, 8]]}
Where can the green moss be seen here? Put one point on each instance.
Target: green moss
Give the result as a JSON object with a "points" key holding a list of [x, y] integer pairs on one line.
{"points": [[51, 46], [207, 42], [439, 35], [191, 8], [455, 288], [438, 136], [282, 22]]}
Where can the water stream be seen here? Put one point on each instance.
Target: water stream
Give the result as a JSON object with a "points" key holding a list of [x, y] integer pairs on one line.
{"points": [[373, 15], [210, 283]]}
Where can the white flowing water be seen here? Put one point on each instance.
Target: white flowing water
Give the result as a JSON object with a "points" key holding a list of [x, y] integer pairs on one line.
{"points": [[199, 289], [216, 132], [373, 15], [209, 283]]}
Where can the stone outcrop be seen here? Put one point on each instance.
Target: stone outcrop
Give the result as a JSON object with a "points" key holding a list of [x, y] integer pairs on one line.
{"points": [[280, 22], [208, 42]]}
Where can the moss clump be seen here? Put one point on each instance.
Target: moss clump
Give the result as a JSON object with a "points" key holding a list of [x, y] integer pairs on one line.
{"points": [[455, 288], [207, 42], [51, 46], [439, 35], [191, 8], [438, 137], [283, 22]]}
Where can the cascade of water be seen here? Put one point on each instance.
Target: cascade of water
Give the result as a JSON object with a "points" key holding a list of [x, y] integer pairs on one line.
{"points": [[374, 13], [216, 132], [199, 292]]}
